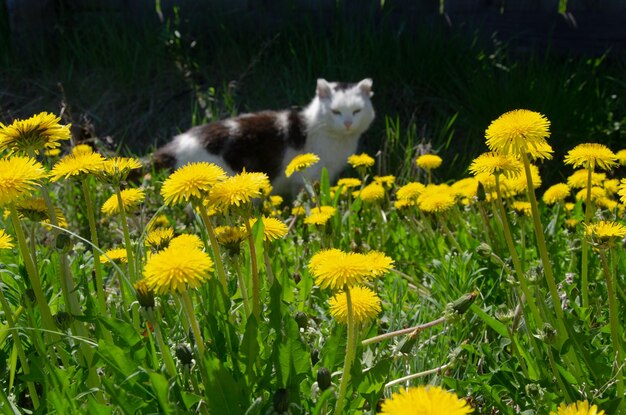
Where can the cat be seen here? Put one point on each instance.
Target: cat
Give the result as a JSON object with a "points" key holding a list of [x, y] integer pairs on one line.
{"points": [[330, 127]]}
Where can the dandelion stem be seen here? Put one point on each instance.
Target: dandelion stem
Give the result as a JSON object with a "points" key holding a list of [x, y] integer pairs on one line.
{"points": [[214, 246], [242, 288], [193, 323], [127, 243], [350, 352], [584, 277], [165, 351], [256, 300]]}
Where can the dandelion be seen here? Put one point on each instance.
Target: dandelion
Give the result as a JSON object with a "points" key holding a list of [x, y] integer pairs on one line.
{"points": [[590, 156], [622, 191], [276, 200], [519, 183], [385, 181], [77, 166], [239, 190], [404, 204], [19, 176], [410, 191], [272, 228], [579, 178], [231, 237], [176, 269], [39, 131], [301, 162], [53, 152], [426, 400], [578, 408], [298, 211], [522, 208], [556, 194], [371, 193], [82, 149], [191, 181], [6, 241], [571, 223], [428, 161], [186, 241], [336, 269], [611, 186], [115, 254], [117, 169], [365, 305], [466, 188], [349, 182], [606, 203], [159, 238], [520, 132], [145, 296], [605, 231], [130, 199], [36, 210], [436, 199], [362, 161], [160, 221], [597, 193], [320, 216], [621, 157], [496, 163]]}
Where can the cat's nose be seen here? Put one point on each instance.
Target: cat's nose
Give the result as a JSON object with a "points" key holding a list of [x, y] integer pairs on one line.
{"points": [[348, 124]]}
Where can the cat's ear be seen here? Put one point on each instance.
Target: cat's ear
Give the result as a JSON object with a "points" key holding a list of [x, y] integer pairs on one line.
{"points": [[366, 87], [324, 89]]}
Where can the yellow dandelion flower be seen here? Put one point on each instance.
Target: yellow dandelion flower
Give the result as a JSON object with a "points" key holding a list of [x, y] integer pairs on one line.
{"points": [[6, 241], [496, 163], [19, 176], [191, 181], [571, 223], [272, 228], [159, 238], [239, 189], [365, 305], [176, 269], [39, 131], [436, 199], [487, 180], [605, 231], [114, 255], [131, 198], [606, 203], [611, 186], [276, 200], [522, 208], [77, 165], [404, 203], [53, 152], [320, 215], [336, 269], [386, 181], [518, 183], [230, 236], [597, 193], [569, 206], [117, 169], [410, 191], [361, 161], [622, 191], [145, 296], [36, 210], [621, 157], [578, 179], [428, 161], [301, 162], [590, 156], [298, 211], [425, 400], [520, 132], [160, 221], [349, 182], [556, 194], [186, 241], [371, 193], [578, 408], [82, 149], [465, 188]]}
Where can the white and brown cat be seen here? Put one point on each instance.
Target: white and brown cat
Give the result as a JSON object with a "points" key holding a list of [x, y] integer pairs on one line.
{"points": [[330, 126]]}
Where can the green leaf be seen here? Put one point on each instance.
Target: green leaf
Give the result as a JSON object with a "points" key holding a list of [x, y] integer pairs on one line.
{"points": [[497, 326], [95, 408], [250, 346], [224, 395], [324, 187], [160, 386]]}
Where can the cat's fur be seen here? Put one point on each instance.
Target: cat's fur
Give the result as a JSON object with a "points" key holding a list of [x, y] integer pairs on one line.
{"points": [[330, 126]]}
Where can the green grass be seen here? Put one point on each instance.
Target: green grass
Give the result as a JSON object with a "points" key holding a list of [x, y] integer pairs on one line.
{"points": [[444, 86]]}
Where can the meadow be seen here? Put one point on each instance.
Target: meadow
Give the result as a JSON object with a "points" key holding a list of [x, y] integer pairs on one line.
{"points": [[470, 255]]}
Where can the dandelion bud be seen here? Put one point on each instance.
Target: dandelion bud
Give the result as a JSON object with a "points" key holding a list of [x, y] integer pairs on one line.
{"points": [[323, 378], [315, 356], [302, 320], [462, 304], [63, 242], [145, 296]]}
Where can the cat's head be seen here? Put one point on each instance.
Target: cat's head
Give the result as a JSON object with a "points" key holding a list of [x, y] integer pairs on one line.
{"points": [[346, 109]]}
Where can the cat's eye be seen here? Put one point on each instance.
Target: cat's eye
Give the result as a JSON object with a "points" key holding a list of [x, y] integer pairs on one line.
{"points": [[336, 112], [355, 112]]}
